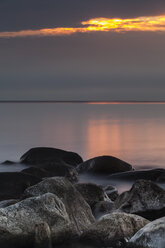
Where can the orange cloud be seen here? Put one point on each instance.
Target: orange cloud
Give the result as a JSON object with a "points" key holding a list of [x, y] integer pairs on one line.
{"points": [[150, 23]]}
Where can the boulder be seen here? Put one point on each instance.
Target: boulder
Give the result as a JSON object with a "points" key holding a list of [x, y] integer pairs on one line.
{"points": [[42, 155], [112, 228], [150, 236], [53, 169], [132, 176], [102, 208], [8, 162], [103, 165], [19, 222], [77, 208], [92, 193], [6, 203], [145, 198], [13, 184], [111, 192]]}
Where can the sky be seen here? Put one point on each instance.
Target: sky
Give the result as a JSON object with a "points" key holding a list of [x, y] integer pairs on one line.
{"points": [[106, 50]]}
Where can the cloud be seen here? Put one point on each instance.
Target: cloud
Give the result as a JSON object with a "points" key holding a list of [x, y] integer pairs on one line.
{"points": [[147, 24]]}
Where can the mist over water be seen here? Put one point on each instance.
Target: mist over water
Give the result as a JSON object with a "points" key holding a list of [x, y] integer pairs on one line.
{"points": [[132, 132]]}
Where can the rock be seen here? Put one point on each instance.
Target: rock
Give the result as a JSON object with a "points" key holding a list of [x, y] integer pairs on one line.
{"points": [[42, 155], [8, 162], [42, 236], [103, 165], [145, 198], [77, 208], [112, 228], [111, 192], [6, 203], [13, 184], [52, 170], [18, 222], [102, 208], [92, 193], [150, 236], [37, 172], [132, 176]]}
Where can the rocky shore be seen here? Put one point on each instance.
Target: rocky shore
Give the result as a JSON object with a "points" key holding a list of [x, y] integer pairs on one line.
{"points": [[45, 205]]}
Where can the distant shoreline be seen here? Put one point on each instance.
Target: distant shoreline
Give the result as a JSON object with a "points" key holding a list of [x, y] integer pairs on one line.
{"points": [[87, 102]]}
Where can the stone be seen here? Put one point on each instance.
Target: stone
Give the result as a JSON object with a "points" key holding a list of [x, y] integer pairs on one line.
{"points": [[42, 155], [6, 203], [92, 193], [103, 165], [77, 208], [102, 208], [150, 236], [145, 198], [132, 176], [21, 224], [112, 228], [111, 192], [13, 184]]}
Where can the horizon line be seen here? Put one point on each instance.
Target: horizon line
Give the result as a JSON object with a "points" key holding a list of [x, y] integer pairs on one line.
{"points": [[80, 101]]}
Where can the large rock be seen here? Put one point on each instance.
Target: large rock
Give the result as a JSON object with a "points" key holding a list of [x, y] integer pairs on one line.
{"points": [[92, 193], [102, 208], [145, 198], [77, 208], [132, 176], [103, 165], [112, 228], [53, 169], [150, 236], [18, 222], [42, 155], [13, 184]]}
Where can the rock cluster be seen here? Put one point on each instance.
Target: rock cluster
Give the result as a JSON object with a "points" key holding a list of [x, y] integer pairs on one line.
{"points": [[45, 207]]}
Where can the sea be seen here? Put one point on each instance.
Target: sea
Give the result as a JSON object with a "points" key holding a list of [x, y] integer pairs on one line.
{"points": [[131, 131]]}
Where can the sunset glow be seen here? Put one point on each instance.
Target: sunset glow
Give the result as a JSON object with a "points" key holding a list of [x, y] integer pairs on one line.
{"points": [[150, 23]]}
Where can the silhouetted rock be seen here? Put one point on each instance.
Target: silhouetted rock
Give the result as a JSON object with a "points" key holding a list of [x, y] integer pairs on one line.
{"points": [[42, 155], [37, 172], [111, 192], [92, 193], [13, 184], [102, 208], [53, 169], [112, 228], [150, 236], [8, 162], [132, 176], [145, 198], [77, 208], [22, 223], [103, 165]]}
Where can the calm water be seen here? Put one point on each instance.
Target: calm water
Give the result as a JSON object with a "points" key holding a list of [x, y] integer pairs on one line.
{"points": [[132, 132]]}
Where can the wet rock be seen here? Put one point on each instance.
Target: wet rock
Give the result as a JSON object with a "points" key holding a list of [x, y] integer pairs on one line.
{"points": [[112, 228], [92, 193], [42, 236], [103, 165], [145, 198], [18, 222], [150, 236], [77, 208], [111, 192], [132, 176], [102, 208], [42, 155], [13, 184]]}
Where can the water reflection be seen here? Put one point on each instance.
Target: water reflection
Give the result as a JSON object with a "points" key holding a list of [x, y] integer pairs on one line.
{"points": [[133, 132]]}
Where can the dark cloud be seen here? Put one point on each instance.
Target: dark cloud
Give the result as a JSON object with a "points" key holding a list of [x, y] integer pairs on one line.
{"points": [[33, 14]]}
